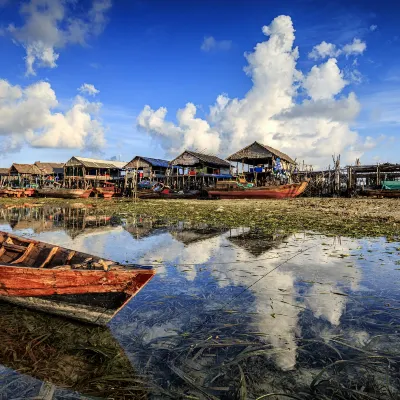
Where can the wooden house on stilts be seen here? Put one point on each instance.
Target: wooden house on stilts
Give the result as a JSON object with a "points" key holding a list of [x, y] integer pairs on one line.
{"points": [[263, 164], [24, 175], [83, 173], [153, 169], [192, 170]]}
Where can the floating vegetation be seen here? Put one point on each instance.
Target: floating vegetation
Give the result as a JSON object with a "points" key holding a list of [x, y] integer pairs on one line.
{"points": [[347, 217]]}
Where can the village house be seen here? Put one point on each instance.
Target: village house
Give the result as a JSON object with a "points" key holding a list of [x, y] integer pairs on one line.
{"points": [[51, 171], [82, 172], [153, 169], [261, 163], [24, 175], [193, 170]]}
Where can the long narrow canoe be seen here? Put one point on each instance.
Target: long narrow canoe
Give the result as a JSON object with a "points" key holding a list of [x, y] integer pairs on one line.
{"points": [[65, 193], [65, 282], [266, 192]]}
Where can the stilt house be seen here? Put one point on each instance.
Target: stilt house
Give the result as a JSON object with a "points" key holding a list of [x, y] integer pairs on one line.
{"points": [[81, 172], [193, 170], [24, 175], [51, 171], [153, 169], [261, 163]]}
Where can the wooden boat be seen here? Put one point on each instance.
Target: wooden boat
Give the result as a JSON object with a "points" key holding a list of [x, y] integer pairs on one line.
{"points": [[381, 193], [231, 190], [65, 282], [12, 193], [107, 191], [160, 191], [65, 193]]}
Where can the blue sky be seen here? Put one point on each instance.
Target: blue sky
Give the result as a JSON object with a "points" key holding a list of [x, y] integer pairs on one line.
{"points": [[149, 53]]}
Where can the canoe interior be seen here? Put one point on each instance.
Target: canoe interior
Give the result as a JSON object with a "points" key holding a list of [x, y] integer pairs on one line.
{"points": [[65, 282]]}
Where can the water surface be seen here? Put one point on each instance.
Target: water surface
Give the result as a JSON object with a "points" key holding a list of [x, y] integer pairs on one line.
{"points": [[236, 314]]}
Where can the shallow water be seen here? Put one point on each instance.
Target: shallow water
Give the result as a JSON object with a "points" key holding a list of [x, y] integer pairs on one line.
{"points": [[234, 314]]}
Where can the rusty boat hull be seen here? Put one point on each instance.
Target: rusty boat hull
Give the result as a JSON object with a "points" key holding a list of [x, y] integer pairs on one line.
{"points": [[267, 192], [65, 282]]}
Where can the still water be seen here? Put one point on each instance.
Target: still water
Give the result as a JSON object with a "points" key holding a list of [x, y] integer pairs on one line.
{"points": [[230, 314]]}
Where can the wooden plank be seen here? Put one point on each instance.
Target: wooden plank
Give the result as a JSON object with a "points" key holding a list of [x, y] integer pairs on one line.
{"points": [[69, 257], [20, 281], [14, 247], [26, 254], [53, 251]]}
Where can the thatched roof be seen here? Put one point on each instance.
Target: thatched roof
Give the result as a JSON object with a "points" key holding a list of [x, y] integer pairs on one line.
{"points": [[27, 169], [95, 163], [50, 167], [193, 157], [257, 151], [4, 171]]}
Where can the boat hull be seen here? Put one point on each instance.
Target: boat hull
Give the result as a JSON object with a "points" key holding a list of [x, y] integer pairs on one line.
{"points": [[65, 282], [272, 192], [65, 193], [381, 193]]}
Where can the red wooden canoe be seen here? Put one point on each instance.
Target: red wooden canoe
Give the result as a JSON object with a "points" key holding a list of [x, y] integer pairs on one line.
{"points": [[266, 192], [54, 279]]}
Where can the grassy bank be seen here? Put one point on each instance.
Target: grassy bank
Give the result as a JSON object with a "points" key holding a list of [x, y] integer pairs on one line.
{"points": [[350, 217]]}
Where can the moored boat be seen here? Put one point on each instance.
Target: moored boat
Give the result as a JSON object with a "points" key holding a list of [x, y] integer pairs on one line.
{"points": [[65, 193], [107, 191], [65, 282], [387, 189], [381, 193], [160, 191], [233, 190]]}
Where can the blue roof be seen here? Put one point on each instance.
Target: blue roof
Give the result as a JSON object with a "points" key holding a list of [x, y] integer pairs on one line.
{"points": [[156, 162]]}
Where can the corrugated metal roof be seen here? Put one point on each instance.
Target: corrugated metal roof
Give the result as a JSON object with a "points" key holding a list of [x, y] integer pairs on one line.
{"points": [[214, 160], [95, 163], [154, 162]]}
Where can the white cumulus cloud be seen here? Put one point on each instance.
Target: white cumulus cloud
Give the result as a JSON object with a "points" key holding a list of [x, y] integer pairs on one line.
{"points": [[29, 116], [324, 81], [49, 26], [210, 43], [89, 89], [303, 114], [354, 48], [323, 50]]}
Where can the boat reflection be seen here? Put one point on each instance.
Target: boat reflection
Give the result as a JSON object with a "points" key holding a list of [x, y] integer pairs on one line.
{"points": [[63, 354]]}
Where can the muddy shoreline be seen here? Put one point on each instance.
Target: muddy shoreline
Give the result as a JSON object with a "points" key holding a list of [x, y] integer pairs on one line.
{"points": [[350, 217]]}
